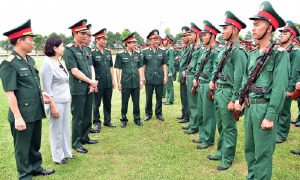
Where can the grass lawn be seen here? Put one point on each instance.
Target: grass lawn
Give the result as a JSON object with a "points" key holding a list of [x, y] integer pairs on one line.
{"points": [[158, 150]]}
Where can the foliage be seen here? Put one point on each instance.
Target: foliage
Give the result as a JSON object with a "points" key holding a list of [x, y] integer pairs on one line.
{"points": [[5, 44], [39, 43]]}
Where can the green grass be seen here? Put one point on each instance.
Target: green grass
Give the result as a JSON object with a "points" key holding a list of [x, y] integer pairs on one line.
{"points": [[158, 150]]}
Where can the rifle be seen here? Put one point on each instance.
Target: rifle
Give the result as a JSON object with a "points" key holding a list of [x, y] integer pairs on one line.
{"points": [[187, 65], [195, 89], [253, 77], [220, 68]]}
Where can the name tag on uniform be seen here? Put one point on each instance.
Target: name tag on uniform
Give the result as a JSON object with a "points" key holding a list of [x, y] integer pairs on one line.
{"points": [[98, 56], [160, 55], [23, 69], [149, 55], [125, 58], [108, 55], [78, 53]]}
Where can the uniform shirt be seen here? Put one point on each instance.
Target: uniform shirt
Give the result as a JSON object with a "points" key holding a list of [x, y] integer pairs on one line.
{"points": [[176, 63], [274, 76], [23, 78], [209, 65], [195, 56], [154, 73], [295, 68], [129, 64], [74, 57], [183, 61], [171, 54], [102, 64], [234, 68]]}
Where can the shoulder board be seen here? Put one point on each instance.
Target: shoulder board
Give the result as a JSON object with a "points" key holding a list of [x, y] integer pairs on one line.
{"points": [[93, 50], [239, 46], [107, 49], [202, 47], [121, 52], [295, 48], [217, 49], [146, 48], [137, 51], [70, 45], [10, 58], [280, 49]]}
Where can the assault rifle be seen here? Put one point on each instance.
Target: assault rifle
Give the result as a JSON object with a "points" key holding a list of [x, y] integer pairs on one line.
{"points": [[188, 65]]}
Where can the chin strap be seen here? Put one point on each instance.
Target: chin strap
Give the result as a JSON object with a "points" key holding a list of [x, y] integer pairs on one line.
{"points": [[209, 39], [288, 39], [265, 32]]}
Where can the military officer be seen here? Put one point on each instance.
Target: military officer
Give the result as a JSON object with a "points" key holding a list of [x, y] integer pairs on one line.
{"points": [[171, 54], [155, 70], [103, 64], [296, 41], [265, 106], [131, 81], [21, 83], [287, 36], [198, 49], [206, 113], [248, 45], [184, 118], [228, 85], [82, 85], [161, 44]]}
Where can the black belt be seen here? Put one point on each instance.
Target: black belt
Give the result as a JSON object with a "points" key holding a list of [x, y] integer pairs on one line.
{"points": [[189, 73], [203, 82], [224, 86], [259, 101]]}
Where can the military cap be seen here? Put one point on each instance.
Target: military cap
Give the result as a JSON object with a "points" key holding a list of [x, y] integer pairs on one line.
{"points": [[130, 38], [231, 19], [267, 13], [241, 40], [79, 26], [247, 42], [100, 34], [168, 38], [22, 30], [195, 28], [184, 30], [153, 34], [290, 27], [208, 27], [161, 39], [297, 40], [89, 26]]}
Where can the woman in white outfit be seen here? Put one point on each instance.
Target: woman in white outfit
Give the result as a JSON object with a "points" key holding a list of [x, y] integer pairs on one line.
{"points": [[55, 79]]}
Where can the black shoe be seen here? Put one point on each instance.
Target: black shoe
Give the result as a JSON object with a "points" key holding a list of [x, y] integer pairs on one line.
{"points": [[91, 142], [123, 124], [45, 172], [62, 162], [110, 125], [98, 128], [297, 125], [161, 118], [179, 117], [139, 123], [81, 150], [184, 121], [147, 118], [94, 131]]}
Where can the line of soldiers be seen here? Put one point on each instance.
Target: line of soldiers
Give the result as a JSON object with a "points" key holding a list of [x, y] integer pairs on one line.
{"points": [[211, 80]]}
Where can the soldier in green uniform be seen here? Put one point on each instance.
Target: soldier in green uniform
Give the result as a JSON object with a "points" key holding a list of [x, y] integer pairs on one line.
{"points": [[228, 85], [248, 45], [198, 49], [296, 42], [206, 113], [176, 63], [287, 36], [218, 43], [297, 87], [171, 54], [103, 64], [131, 81], [155, 70], [82, 85], [184, 118], [267, 99], [161, 44], [21, 83]]}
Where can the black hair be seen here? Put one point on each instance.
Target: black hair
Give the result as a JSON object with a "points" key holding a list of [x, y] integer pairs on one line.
{"points": [[50, 43], [14, 41]]}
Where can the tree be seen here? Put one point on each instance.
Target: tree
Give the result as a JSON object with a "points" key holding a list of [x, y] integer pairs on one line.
{"points": [[139, 39], [241, 36], [125, 34], [66, 40], [167, 31], [5, 44], [110, 40], [249, 36], [39, 43], [178, 39], [221, 40], [118, 40], [53, 34]]}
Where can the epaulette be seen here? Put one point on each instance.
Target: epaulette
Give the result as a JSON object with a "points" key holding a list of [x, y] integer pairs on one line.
{"points": [[239, 46], [146, 48], [217, 49], [107, 49], [202, 47], [278, 48], [295, 48], [121, 52], [137, 51], [70, 45], [10, 58], [93, 50]]}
